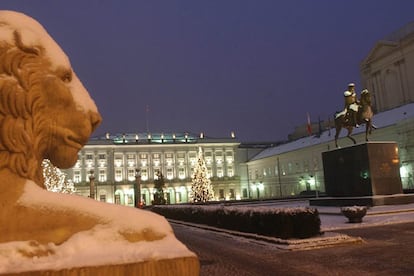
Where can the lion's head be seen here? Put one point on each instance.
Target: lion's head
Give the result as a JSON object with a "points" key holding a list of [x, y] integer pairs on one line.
{"points": [[45, 112]]}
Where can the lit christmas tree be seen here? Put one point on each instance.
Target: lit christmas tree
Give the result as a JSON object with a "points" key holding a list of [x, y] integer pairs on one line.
{"points": [[201, 189], [55, 179]]}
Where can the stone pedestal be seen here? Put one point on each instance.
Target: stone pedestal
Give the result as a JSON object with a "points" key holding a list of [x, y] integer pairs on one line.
{"points": [[366, 169], [185, 266], [362, 173]]}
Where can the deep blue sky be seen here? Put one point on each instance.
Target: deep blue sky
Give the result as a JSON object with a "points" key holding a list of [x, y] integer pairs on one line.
{"points": [[253, 67]]}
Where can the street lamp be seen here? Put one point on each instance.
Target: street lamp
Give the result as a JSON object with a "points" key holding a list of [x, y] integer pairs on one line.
{"points": [[137, 189], [91, 184]]}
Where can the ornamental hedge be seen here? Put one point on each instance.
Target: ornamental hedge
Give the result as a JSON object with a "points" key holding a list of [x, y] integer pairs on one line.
{"points": [[285, 223]]}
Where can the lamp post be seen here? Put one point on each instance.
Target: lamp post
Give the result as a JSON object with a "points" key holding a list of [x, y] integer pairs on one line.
{"points": [[137, 189], [92, 184]]}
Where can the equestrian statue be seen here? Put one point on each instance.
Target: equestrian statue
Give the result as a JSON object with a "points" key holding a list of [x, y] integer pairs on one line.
{"points": [[356, 112]]}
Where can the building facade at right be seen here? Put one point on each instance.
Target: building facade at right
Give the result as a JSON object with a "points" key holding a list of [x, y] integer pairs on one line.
{"points": [[388, 73], [388, 70]]}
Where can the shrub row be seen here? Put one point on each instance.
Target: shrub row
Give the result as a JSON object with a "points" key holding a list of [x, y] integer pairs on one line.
{"points": [[282, 223]]}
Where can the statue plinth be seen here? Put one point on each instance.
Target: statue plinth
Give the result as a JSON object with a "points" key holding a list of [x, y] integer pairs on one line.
{"points": [[185, 266], [362, 170], [363, 174]]}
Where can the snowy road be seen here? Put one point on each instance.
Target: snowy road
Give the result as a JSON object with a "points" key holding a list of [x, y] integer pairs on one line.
{"points": [[223, 254], [386, 250]]}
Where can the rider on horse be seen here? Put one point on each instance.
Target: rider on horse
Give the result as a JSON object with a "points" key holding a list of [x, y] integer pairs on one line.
{"points": [[355, 112], [351, 105]]}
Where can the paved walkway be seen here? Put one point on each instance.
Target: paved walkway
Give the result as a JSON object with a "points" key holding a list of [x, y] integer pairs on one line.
{"points": [[332, 219]]}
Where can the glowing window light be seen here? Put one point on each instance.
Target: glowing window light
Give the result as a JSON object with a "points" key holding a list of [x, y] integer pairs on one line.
{"points": [[404, 171], [312, 182], [230, 173], [181, 173], [131, 174], [118, 175]]}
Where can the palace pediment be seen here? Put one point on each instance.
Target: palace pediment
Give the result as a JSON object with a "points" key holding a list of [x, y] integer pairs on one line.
{"points": [[380, 49]]}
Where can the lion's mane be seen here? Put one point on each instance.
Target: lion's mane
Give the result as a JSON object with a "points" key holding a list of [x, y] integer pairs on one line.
{"points": [[23, 140]]}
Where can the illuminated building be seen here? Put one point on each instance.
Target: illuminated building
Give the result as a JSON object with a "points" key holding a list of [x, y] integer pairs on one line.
{"points": [[115, 160]]}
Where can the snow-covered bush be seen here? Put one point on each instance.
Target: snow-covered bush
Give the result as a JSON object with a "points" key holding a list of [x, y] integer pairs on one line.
{"points": [[275, 222]]}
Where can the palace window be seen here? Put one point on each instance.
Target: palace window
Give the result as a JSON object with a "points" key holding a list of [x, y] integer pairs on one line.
{"points": [[102, 160], [131, 174], [118, 175], [229, 157], [102, 176], [89, 160], [102, 198], [131, 160], [170, 174], [76, 176], [118, 160], [220, 172], [144, 174], [181, 173], [230, 172]]}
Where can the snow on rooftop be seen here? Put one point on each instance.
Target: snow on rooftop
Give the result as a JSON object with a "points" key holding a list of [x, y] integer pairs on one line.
{"points": [[380, 120], [101, 245]]}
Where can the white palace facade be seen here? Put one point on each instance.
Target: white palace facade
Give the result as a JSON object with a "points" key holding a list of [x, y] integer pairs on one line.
{"points": [[119, 163], [255, 171]]}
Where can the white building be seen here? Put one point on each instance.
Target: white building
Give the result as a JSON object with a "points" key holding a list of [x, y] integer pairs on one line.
{"points": [[388, 69], [296, 167], [114, 162]]}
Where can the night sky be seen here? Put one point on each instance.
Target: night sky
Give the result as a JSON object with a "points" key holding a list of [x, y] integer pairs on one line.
{"points": [[252, 67]]}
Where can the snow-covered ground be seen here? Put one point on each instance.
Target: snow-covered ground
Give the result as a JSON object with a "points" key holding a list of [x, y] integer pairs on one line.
{"points": [[377, 215]]}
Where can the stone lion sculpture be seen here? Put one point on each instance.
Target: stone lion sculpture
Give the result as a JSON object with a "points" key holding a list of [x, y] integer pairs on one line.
{"points": [[45, 112]]}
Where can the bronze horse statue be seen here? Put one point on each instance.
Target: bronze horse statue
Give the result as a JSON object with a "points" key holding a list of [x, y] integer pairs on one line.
{"points": [[364, 116]]}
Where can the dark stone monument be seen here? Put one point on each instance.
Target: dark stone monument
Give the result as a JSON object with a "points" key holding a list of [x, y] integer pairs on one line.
{"points": [[362, 170], [363, 174]]}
